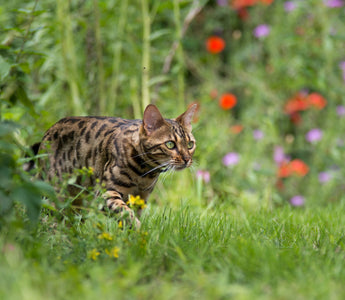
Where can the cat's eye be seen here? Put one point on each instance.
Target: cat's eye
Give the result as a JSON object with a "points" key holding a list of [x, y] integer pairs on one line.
{"points": [[170, 145], [190, 144]]}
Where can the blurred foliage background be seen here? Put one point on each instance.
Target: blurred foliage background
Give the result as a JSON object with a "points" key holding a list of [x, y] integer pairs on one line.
{"points": [[268, 77]]}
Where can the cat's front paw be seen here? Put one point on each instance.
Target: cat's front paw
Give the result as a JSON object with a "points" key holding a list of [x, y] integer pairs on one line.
{"points": [[129, 220]]}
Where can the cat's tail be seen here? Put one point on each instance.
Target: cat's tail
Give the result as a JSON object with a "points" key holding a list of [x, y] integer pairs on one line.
{"points": [[28, 166]]}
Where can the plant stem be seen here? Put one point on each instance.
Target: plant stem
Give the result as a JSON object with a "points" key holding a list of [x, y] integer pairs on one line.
{"points": [[179, 54], [69, 56], [145, 88], [133, 83], [193, 12], [120, 29], [20, 52], [100, 73]]}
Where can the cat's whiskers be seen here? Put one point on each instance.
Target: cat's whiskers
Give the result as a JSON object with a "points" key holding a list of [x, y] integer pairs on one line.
{"points": [[149, 161], [156, 168], [167, 174], [192, 170], [141, 154], [152, 184]]}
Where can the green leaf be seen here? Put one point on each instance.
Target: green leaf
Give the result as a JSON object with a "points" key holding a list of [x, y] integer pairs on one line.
{"points": [[159, 33], [5, 203], [45, 189], [158, 79], [7, 128], [30, 196], [5, 68], [24, 99]]}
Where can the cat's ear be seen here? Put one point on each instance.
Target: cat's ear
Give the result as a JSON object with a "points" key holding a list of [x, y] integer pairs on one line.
{"points": [[152, 119], [186, 118]]}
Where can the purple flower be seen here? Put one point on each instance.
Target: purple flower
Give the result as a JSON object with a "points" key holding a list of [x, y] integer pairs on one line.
{"points": [[341, 110], [342, 66], [258, 134], [261, 30], [334, 3], [289, 6], [231, 159], [279, 155], [222, 2], [325, 177], [203, 175], [314, 135], [297, 200]]}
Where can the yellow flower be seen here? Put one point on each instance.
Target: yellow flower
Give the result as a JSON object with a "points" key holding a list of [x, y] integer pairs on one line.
{"points": [[90, 171], [114, 252], [85, 171], [120, 224], [136, 202], [105, 236], [93, 254]]}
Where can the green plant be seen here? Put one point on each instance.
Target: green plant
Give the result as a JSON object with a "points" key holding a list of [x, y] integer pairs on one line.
{"points": [[15, 185]]}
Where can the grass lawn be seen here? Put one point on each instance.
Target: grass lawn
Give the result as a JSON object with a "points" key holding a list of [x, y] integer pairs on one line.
{"points": [[260, 216], [187, 253]]}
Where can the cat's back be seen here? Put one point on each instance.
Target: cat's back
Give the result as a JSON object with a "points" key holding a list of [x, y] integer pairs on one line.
{"points": [[77, 142], [88, 129]]}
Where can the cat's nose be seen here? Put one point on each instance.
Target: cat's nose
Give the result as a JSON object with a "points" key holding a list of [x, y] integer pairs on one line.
{"points": [[187, 160]]}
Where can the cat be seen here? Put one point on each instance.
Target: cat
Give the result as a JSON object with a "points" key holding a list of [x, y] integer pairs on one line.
{"points": [[126, 156]]}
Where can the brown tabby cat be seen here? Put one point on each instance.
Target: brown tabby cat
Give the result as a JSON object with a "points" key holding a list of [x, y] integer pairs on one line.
{"points": [[126, 156]]}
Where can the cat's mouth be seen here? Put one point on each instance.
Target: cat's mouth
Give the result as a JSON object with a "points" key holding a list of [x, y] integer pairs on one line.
{"points": [[182, 166], [176, 167]]}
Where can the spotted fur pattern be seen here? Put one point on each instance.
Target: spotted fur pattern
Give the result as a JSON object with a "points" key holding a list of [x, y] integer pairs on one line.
{"points": [[126, 156]]}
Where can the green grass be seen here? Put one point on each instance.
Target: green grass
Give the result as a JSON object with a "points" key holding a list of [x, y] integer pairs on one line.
{"points": [[233, 237], [185, 253]]}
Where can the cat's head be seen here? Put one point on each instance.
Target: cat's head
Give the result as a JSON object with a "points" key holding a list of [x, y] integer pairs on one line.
{"points": [[168, 143]]}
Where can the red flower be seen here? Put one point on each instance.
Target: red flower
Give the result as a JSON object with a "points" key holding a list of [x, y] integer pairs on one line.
{"points": [[302, 102], [243, 13], [299, 167], [215, 44], [317, 101], [227, 101], [298, 103], [238, 4], [236, 129], [267, 2], [294, 167], [296, 118], [284, 170]]}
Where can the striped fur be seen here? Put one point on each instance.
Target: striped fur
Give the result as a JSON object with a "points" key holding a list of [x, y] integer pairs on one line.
{"points": [[126, 156]]}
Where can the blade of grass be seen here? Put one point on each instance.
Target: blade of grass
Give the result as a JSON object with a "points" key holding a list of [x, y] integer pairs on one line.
{"points": [[134, 97], [196, 7], [145, 86], [69, 56], [120, 29], [100, 72], [179, 54]]}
